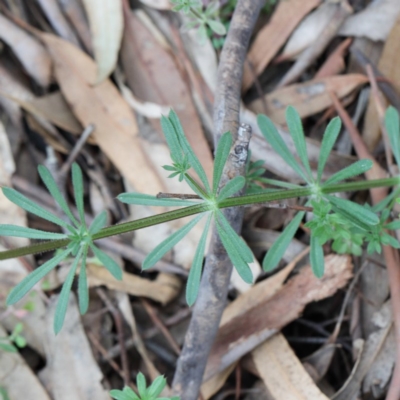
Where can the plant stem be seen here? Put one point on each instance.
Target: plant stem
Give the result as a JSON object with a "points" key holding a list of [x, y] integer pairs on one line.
{"points": [[199, 208]]}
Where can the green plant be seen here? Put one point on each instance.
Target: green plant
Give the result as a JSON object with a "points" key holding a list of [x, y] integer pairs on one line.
{"points": [[78, 240], [333, 215], [145, 393], [6, 343], [200, 17]]}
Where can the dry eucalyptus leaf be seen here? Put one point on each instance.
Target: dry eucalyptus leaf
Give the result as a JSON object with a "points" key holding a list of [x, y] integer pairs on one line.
{"points": [[282, 372], [30, 52], [106, 24], [374, 22]]}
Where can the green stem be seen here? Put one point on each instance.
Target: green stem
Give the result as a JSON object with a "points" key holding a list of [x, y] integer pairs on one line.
{"points": [[203, 207]]}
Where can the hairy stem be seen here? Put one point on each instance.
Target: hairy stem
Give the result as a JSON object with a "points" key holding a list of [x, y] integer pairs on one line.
{"points": [[199, 208]]}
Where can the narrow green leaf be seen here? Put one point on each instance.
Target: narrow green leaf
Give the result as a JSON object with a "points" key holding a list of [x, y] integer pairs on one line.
{"points": [[394, 225], [98, 223], [126, 394], [52, 187], [166, 245], [148, 200], [328, 141], [21, 231], [19, 291], [357, 168], [28, 205], [193, 282], [238, 242], [295, 126], [114, 269], [217, 27], [172, 140], [317, 257], [187, 149], [157, 387], [195, 186], [231, 187], [83, 293], [356, 210], [141, 384], [390, 241], [277, 250], [393, 130], [268, 129], [275, 182], [221, 155], [239, 263], [8, 347], [77, 182], [62, 303]]}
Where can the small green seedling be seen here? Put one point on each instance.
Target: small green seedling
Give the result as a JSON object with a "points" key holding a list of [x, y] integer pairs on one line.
{"points": [[145, 393], [6, 344]]}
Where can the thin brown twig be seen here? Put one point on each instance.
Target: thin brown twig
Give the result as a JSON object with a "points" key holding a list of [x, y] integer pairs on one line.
{"points": [[120, 333], [214, 285], [156, 320]]}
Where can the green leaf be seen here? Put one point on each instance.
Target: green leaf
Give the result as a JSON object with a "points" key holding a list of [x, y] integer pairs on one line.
{"points": [[28, 205], [231, 187], [221, 155], [52, 187], [328, 141], [8, 347], [157, 253], [358, 212], [394, 225], [148, 200], [296, 131], [390, 241], [19, 291], [239, 263], [217, 27], [187, 149], [274, 182], [268, 129], [393, 130], [141, 384], [114, 269], [317, 257], [126, 394], [83, 293], [77, 182], [62, 303], [357, 168], [157, 386], [193, 282], [98, 223], [242, 248], [172, 140], [275, 253], [21, 231]]}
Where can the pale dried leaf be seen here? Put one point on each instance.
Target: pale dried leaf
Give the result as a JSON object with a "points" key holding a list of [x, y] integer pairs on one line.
{"points": [[272, 37], [245, 332], [308, 31], [30, 52], [106, 25], [116, 131], [71, 371], [374, 22], [51, 107], [308, 98], [161, 291], [58, 21], [17, 378], [158, 4], [282, 372]]}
